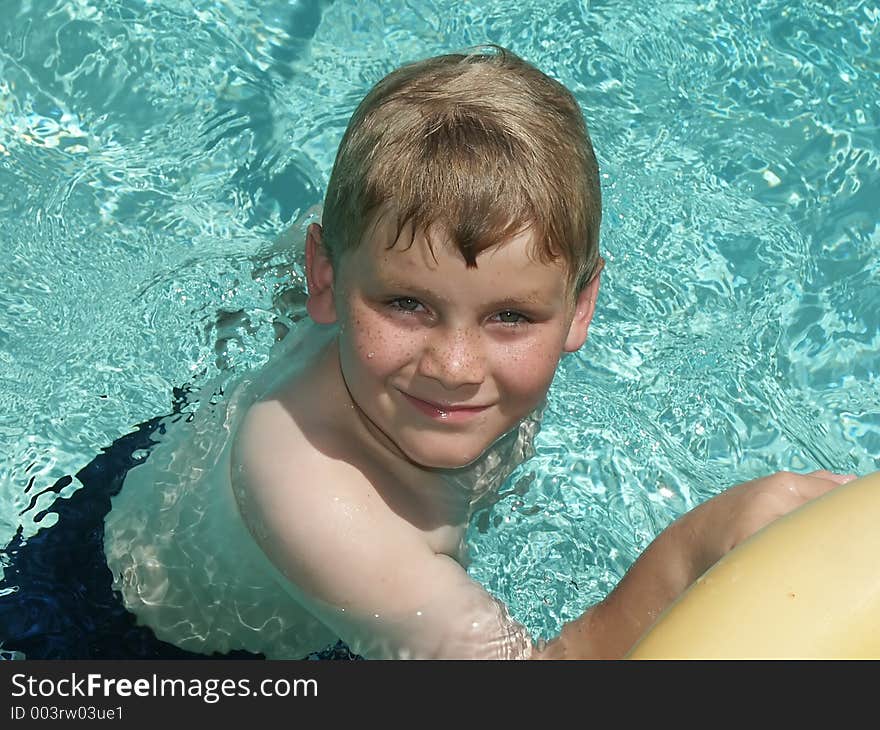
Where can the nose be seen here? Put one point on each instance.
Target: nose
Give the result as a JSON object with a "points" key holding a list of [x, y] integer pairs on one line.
{"points": [[452, 356]]}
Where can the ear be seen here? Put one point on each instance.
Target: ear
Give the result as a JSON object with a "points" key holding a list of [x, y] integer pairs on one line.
{"points": [[319, 277], [583, 315]]}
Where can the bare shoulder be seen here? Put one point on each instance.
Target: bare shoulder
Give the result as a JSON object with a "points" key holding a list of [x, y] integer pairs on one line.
{"points": [[353, 541], [319, 519], [287, 448], [291, 483]]}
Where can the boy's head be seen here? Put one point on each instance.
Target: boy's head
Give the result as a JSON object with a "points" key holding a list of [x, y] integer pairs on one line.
{"points": [[484, 145], [448, 161]]}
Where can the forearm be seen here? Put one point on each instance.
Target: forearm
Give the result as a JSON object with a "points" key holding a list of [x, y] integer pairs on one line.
{"points": [[608, 630], [681, 554]]}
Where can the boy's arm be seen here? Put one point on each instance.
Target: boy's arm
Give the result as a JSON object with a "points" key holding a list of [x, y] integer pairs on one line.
{"points": [[373, 577], [680, 555], [364, 571]]}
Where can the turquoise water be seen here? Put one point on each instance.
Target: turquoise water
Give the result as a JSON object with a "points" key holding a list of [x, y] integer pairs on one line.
{"points": [[152, 151]]}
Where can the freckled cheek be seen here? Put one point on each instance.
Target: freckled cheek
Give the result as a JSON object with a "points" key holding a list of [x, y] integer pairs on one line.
{"points": [[380, 346], [528, 370]]}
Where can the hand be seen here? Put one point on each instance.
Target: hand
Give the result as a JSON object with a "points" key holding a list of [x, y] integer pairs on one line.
{"points": [[681, 554], [739, 512]]}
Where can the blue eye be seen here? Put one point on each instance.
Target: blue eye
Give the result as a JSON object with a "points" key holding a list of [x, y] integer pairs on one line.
{"points": [[511, 318], [405, 304]]}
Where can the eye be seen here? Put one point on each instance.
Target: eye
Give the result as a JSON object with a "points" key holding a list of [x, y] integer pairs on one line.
{"points": [[509, 318], [405, 304]]}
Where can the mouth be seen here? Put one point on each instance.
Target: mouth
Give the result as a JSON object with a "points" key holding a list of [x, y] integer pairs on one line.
{"points": [[444, 411]]}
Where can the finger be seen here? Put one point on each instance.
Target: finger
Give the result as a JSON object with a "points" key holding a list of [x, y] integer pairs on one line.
{"points": [[808, 487], [831, 476]]}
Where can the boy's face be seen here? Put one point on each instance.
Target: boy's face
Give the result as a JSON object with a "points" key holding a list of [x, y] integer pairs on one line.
{"points": [[442, 360]]}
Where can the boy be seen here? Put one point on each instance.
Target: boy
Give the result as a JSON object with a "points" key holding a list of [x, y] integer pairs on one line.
{"points": [[457, 261], [459, 258]]}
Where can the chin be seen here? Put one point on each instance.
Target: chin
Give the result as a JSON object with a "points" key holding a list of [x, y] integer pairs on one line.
{"points": [[442, 457]]}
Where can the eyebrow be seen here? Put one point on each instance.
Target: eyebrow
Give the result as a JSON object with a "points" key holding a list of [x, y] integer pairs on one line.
{"points": [[530, 298]]}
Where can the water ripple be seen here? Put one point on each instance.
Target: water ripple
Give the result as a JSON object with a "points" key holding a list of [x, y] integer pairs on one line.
{"points": [[152, 151]]}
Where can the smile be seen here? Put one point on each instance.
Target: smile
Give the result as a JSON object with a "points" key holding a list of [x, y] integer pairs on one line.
{"points": [[441, 412]]}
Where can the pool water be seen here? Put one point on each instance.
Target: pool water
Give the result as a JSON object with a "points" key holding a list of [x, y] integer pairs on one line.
{"points": [[151, 151]]}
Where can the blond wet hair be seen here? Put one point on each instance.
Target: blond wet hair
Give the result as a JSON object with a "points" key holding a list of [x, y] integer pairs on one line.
{"points": [[483, 144]]}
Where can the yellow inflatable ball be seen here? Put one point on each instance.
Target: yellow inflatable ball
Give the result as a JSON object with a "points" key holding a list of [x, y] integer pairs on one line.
{"points": [[807, 586]]}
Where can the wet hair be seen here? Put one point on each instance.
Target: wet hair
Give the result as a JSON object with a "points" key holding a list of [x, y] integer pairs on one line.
{"points": [[483, 144]]}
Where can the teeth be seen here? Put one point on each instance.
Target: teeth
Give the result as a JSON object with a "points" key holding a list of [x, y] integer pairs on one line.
{"points": [[443, 414]]}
